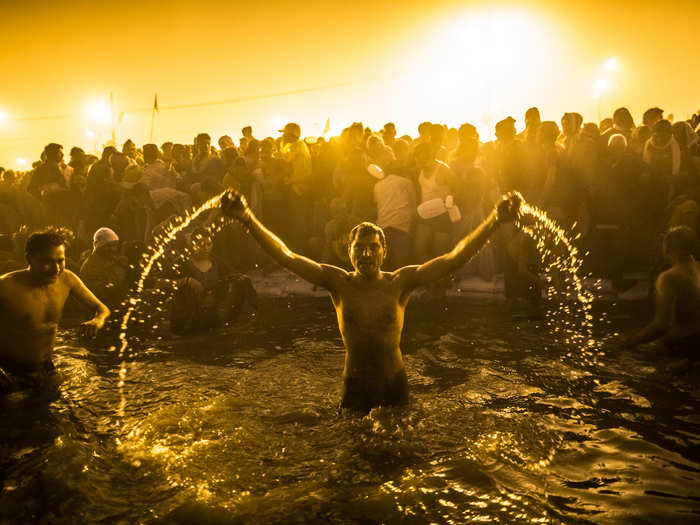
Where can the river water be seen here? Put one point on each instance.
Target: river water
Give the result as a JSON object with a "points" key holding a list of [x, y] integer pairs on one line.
{"points": [[243, 426]]}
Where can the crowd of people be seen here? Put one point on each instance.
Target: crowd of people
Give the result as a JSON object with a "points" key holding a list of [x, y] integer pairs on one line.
{"points": [[620, 184]]}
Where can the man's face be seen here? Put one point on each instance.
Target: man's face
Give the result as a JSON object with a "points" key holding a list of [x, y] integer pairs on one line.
{"points": [[47, 265], [55, 156], [202, 246], [367, 254], [203, 146]]}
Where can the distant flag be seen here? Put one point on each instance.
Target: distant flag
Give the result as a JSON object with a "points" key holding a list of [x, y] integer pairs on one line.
{"points": [[155, 103], [327, 127]]}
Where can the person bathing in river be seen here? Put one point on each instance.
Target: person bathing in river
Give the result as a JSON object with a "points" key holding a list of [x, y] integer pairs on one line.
{"points": [[208, 294], [31, 304], [676, 320], [370, 303]]}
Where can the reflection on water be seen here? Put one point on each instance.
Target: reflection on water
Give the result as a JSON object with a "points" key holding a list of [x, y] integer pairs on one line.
{"points": [[243, 426]]}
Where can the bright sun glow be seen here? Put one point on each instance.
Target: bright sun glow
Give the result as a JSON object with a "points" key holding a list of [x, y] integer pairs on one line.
{"points": [[99, 112], [471, 68], [21, 162], [4, 117], [611, 64]]}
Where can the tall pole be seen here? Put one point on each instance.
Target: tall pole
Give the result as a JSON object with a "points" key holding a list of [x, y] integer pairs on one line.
{"points": [[111, 110], [153, 116]]}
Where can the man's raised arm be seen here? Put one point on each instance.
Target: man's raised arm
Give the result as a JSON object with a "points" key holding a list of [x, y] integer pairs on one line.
{"points": [[234, 205], [506, 210]]}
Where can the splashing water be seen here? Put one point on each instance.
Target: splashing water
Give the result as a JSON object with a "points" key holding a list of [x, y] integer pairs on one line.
{"points": [[157, 249], [572, 322]]}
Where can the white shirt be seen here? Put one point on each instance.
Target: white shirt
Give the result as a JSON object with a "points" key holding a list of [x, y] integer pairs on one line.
{"points": [[396, 202]]}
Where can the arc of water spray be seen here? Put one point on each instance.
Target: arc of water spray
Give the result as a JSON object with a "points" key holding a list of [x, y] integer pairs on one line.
{"points": [[158, 250]]}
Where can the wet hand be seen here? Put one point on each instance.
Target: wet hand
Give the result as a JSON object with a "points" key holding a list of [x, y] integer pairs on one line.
{"points": [[508, 208], [233, 204], [89, 329]]}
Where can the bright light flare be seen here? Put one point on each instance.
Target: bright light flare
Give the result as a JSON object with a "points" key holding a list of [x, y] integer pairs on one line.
{"points": [[601, 86], [611, 64], [90, 133], [21, 162], [475, 65], [4, 116], [99, 112]]}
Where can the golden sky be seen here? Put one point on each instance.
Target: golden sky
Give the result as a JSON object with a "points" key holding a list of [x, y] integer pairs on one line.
{"points": [[373, 62]]}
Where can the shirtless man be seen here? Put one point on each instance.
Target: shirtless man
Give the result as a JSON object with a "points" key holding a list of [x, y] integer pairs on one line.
{"points": [[31, 304], [370, 303], [676, 320]]}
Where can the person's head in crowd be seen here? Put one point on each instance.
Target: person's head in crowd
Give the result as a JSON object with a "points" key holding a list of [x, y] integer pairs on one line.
{"points": [[438, 133], [180, 154], [622, 119], [53, 153], [642, 134], [150, 153], [684, 134], [247, 132], [505, 130], [651, 116], [229, 156], [547, 133], [451, 138], [202, 143], [105, 242], [468, 141], [532, 118], [375, 146], [571, 124], [129, 148], [590, 131], [267, 148], [46, 255], [291, 132], [605, 124], [662, 132], [423, 155], [252, 151], [107, 152], [202, 243], [424, 129], [617, 146], [167, 149], [9, 176], [355, 135], [225, 141], [402, 152], [119, 163], [77, 155], [680, 242], [389, 133]]}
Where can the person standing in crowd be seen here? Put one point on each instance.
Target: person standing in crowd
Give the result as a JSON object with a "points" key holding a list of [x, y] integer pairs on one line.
{"points": [[31, 306], [299, 199], [395, 197], [105, 271], [208, 295]]}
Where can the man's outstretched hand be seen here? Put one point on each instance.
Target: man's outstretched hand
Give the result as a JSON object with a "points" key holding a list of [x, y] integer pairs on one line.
{"points": [[508, 207], [234, 205]]}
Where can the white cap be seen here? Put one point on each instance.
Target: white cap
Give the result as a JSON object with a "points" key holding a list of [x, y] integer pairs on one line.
{"points": [[104, 236], [375, 171]]}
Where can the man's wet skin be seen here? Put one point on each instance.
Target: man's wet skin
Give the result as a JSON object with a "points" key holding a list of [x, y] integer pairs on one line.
{"points": [[31, 305], [370, 303]]}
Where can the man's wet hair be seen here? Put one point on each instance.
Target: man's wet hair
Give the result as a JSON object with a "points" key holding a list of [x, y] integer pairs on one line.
{"points": [[367, 228], [42, 241], [150, 152], [681, 240]]}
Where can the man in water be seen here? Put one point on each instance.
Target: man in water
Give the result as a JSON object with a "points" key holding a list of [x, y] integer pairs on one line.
{"points": [[676, 320], [31, 304], [370, 303]]}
